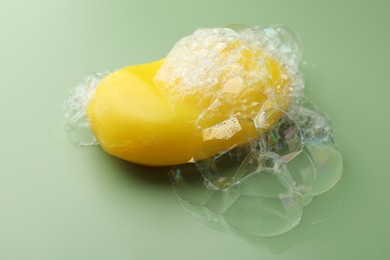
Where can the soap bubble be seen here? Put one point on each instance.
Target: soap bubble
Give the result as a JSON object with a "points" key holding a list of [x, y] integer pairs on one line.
{"points": [[321, 144], [76, 123], [260, 188]]}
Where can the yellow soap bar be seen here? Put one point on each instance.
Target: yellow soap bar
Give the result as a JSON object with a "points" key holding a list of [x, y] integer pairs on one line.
{"points": [[133, 120], [136, 116]]}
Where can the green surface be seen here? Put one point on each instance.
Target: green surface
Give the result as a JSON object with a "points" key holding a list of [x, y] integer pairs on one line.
{"points": [[62, 202]]}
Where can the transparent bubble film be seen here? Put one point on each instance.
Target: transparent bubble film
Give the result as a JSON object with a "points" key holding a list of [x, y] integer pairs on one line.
{"points": [[276, 150], [76, 123]]}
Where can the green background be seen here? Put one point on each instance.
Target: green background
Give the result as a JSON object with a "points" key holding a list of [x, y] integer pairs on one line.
{"points": [[58, 201]]}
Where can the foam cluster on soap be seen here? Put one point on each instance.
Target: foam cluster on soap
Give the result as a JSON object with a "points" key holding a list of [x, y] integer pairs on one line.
{"points": [[212, 61]]}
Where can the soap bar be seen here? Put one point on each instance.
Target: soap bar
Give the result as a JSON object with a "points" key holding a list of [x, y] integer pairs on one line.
{"points": [[209, 94]]}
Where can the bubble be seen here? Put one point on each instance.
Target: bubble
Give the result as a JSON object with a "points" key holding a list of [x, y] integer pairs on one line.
{"points": [[263, 217], [285, 43], [76, 123], [189, 186], [304, 173], [260, 189], [238, 208], [285, 138], [329, 165], [321, 145], [237, 26], [193, 195]]}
